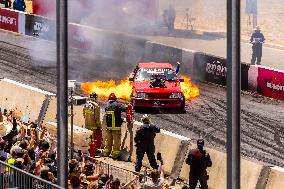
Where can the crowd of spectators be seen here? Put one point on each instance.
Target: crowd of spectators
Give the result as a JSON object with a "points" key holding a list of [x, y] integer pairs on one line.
{"points": [[19, 5], [31, 149]]}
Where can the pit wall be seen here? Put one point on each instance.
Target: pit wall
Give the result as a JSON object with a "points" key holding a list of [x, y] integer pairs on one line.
{"points": [[25, 100]]}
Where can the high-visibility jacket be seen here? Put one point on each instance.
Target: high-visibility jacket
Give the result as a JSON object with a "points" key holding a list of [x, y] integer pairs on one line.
{"points": [[10, 161], [91, 114], [113, 115]]}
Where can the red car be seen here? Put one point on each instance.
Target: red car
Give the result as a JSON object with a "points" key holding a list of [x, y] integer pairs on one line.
{"points": [[156, 85]]}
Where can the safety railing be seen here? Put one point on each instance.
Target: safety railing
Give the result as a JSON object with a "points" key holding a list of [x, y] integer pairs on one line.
{"points": [[123, 174], [14, 178]]}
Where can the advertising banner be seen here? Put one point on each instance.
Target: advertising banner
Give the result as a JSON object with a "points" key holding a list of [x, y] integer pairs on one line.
{"points": [[270, 83], [40, 27], [210, 68], [214, 69], [77, 37], [9, 20]]}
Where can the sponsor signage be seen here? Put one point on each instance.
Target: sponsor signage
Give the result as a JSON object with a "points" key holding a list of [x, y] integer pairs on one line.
{"points": [[270, 83], [210, 68], [214, 69], [76, 37], [9, 20], [40, 27]]}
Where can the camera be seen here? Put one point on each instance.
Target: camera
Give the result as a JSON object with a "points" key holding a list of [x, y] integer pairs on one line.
{"points": [[77, 100]]}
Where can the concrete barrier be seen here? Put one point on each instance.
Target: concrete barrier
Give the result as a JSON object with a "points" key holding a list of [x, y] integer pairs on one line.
{"points": [[80, 135], [24, 99], [187, 61], [121, 46], [276, 179], [250, 171], [12, 20], [158, 52], [165, 142], [50, 115], [252, 78], [270, 82]]}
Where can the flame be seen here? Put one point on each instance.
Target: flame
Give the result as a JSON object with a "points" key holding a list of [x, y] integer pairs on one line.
{"points": [[189, 89], [123, 89]]}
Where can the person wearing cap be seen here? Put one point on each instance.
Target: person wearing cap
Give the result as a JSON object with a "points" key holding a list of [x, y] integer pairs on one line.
{"points": [[113, 123], [256, 39], [144, 142], [91, 113], [198, 160]]}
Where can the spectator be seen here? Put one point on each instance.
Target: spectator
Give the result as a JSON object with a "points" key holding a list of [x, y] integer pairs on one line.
{"points": [[115, 184], [73, 167], [166, 18], [75, 181], [144, 141], [4, 156], [257, 39], [171, 19], [157, 181], [199, 160], [8, 3], [19, 5]]}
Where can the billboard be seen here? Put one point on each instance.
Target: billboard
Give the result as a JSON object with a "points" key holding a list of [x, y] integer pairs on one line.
{"points": [[41, 27], [214, 69], [9, 20], [270, 83]]}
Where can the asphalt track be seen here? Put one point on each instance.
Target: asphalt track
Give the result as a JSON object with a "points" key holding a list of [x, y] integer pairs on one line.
{"points": [[262, 119]]}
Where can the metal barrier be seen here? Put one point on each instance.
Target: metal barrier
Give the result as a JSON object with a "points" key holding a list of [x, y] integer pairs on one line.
{"points": [[14, 178], [123, 174]]}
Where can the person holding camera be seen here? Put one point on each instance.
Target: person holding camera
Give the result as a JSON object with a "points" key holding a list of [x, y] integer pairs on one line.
{"points": [[144, 142], [256, 39], [198, 160]]}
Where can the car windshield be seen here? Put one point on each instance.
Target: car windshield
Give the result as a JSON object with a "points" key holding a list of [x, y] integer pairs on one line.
{"points": [[144, 74]]}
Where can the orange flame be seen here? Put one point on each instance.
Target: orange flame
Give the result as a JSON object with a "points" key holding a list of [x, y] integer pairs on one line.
{"points": [[123, 89], [189, 89], [105, 88]]}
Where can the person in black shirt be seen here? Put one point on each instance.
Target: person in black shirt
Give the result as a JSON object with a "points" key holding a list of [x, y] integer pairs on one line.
{"points": [[257, 39], [199, 160], [144, 141]]}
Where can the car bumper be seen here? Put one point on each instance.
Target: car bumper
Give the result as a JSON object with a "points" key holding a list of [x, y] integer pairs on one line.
{"points": [[158, 103]]}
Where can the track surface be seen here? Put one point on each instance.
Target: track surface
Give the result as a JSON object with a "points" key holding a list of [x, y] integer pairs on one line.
{"points": [[262, 120]]}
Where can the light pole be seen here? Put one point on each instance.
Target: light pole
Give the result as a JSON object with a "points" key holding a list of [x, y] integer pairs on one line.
{"points": [[62, 91], [233, 94], [71, 86]]}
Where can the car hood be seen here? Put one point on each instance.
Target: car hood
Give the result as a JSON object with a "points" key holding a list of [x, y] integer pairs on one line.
{"points": [[144, 86]]}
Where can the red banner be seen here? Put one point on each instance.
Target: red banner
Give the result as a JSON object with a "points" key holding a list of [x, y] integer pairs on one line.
{"points": [[9, 20], [271, 83], [78, 37]]}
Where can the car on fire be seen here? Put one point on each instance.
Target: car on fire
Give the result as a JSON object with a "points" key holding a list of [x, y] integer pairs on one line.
{"points": [[156, 85]]}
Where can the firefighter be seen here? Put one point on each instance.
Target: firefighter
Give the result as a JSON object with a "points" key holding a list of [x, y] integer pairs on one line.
{"points": [[257, 39], [199, 160], [144, 142], [113, 126], [91, 113]]}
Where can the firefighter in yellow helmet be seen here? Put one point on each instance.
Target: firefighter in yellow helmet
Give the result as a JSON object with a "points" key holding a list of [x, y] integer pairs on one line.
{"points": [[113, 131], [91, 114]]}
